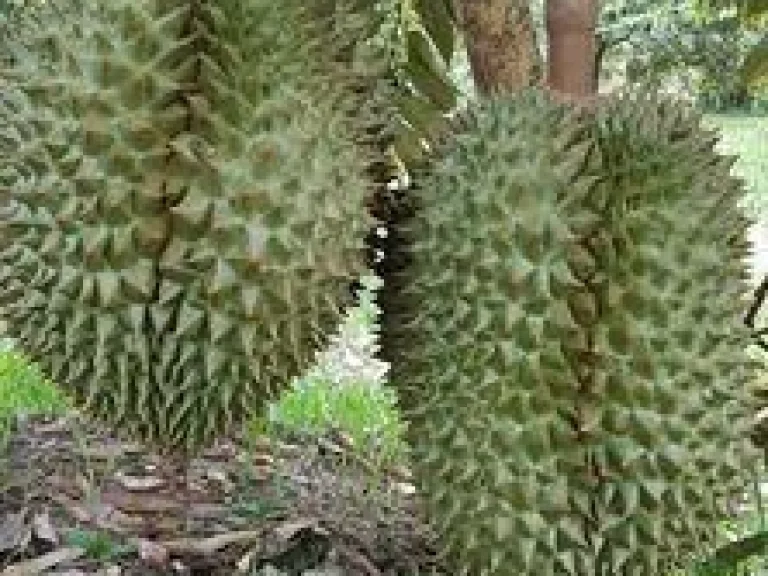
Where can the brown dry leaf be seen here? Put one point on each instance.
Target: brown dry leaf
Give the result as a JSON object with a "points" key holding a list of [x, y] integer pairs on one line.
{"points": [[60, 424], [220, 476], [261, 444], [262, 460], [64, 485], [43, 528], [101, 452], [330, 446], [74, 509], [153, 553], [261, 473], [12, 530], [288, 530], [44, 562], [220, 452], [375, 520], [399, 472], [140, 503], [209, 546], [84, 485], [358, 559], [139, 483], [244, 564], [405, 488]]}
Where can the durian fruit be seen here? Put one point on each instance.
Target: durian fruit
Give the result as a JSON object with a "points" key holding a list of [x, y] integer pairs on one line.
{"points": [[569, 340], [368, 66], [676, 411], [181, 208]]}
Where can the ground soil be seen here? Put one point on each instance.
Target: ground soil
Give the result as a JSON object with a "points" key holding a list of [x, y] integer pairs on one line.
{"points": [[301, 506]]}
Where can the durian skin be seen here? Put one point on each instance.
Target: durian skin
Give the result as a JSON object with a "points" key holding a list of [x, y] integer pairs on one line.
{"points": [[181, 208], [569, 348]]}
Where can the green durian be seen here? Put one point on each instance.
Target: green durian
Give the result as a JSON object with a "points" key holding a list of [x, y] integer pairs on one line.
{"points": [[181, 208], [568, 349]]}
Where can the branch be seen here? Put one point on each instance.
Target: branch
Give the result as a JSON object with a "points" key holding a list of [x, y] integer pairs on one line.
{"points": [[760, 295]]}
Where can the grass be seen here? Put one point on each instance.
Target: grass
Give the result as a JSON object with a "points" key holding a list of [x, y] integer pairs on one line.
{"points": [[368, 415], [747, 136], [23, 389]]}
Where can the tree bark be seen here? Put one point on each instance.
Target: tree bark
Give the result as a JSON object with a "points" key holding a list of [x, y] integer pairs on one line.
{"points": [[501, 43], [571, 25]]}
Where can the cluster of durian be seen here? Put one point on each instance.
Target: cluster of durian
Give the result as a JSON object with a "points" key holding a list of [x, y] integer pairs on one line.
{"points": [[182, 207], [570, 352], [183, 202]]}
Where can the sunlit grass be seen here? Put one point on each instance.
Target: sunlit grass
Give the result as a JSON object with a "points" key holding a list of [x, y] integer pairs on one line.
{"points": [[747, 136]]}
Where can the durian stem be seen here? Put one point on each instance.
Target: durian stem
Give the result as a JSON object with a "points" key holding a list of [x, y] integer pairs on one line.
{"points": [[760, 295]]}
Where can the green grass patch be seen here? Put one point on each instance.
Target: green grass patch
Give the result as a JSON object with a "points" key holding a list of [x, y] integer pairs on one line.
{"points": [[24, 389], [98, 545], [313, 406]]}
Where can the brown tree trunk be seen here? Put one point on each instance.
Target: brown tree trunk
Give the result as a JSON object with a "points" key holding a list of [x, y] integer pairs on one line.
{"points": [[501, 43], [571, 28]]}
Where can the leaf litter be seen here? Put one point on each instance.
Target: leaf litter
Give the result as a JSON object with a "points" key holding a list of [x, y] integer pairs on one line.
{"points": [[77, 501]]}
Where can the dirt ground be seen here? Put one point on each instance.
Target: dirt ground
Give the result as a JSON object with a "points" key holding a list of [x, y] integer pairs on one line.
{"points": [[298, 507]]}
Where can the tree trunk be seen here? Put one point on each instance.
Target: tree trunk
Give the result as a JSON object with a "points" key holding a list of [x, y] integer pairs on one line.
{"points": [[501, 43], [571, 28]]}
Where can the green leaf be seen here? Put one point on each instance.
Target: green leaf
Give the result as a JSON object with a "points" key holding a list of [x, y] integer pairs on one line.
{"points": [[733, 553], [421, 114], [437, 21], [755, 67], [747, 8], [423, 71], [409, 148], [755, 8]]}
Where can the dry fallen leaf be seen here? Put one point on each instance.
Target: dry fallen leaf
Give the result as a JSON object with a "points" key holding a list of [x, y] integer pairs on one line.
{"points": [[78, 512], [11, 530], [288, 530], [139, 483], [153, 553], [405, 488], [43, 528], [42, 563], [209, 546]]}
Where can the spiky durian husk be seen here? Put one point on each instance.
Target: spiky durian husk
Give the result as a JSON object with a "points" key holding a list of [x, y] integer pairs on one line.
{"points": [[483, 311], [182, 211], [675, 410], [367, 67], [570, 352]]}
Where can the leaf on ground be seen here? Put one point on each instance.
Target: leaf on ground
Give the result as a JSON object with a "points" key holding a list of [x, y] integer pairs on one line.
{"points": [[12, 530], [46, 561], [44, 529]]}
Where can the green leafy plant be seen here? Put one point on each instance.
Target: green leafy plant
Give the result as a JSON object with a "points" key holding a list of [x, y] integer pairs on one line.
{"points": [[25, 390], [367, 413], [98, 545]]}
